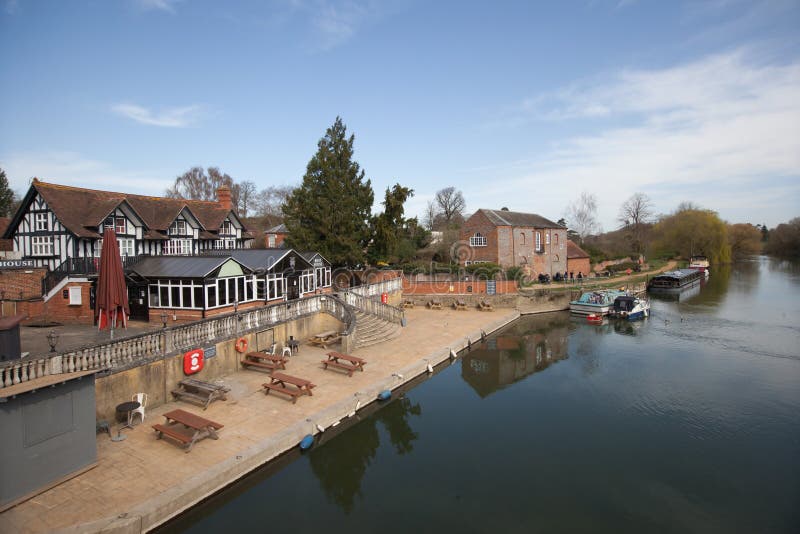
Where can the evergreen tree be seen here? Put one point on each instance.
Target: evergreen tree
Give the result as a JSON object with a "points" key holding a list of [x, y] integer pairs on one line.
{"points": [[6, 196], [390, 226], [330, 212]]}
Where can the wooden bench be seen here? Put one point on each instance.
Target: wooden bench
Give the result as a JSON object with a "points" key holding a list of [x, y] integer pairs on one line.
{"points": [[203, 393], [172, 432], [485, 306], [264, 360], [344, 366], [435, 304], [345, 362], [324, 339], [292, 392], [262, 364], [459, 304], [408, 304]]}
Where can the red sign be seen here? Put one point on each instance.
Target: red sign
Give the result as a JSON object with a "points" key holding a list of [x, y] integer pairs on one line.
{"points": [[193, 361]]}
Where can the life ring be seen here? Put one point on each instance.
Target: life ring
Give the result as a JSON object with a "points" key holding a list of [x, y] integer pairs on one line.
{"points": [[241, 344]]}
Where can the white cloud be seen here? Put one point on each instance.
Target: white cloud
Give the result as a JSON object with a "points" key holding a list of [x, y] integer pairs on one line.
{"points": [[72, 168], [721, 131], [335, 22], [160, 5], [181, 117]]}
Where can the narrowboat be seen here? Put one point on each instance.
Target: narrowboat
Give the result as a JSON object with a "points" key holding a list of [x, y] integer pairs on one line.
{"points": [[598, 302], [630, 308], [675, 281]]}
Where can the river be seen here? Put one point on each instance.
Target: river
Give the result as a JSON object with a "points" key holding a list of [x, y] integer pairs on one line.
{"points": [[688, 421]]}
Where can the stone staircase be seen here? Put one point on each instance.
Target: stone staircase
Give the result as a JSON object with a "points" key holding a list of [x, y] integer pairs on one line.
{"points": [[371, 330]]}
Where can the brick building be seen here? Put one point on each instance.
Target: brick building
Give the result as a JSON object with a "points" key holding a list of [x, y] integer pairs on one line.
{"points": [[513, 239], [577, 260], [275, 236]]}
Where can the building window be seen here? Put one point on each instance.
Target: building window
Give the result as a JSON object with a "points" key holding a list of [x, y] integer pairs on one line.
{"points": [[75, 296], [555, 239], [323, 276], [127, 247], [276, 287], [547, 238], [477, 240], [186, 294], [271, 241], [177, 247], [226, 291], [538, 241], [221, 244], [307, 282], [522, 237], [178, 227], [41, 223], [42, 246], [227, 228]]}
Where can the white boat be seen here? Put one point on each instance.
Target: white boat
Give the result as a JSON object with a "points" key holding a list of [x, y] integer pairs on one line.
{"points": [[630, 308], [597, 302], [700, 263]]}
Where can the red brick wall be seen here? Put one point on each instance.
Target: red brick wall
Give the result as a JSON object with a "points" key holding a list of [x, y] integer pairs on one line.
{"points": [[21, 284], [578, 265], [478, 222]]}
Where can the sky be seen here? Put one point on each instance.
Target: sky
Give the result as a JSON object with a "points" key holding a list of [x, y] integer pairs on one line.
{"points": [[523, 105]]}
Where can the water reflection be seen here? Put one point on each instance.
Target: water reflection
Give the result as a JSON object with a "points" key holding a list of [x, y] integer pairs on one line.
{"points": [[530, 345], [341, 463]]}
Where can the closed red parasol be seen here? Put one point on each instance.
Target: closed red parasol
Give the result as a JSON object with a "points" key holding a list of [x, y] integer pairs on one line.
{"points": [[112, 293]]}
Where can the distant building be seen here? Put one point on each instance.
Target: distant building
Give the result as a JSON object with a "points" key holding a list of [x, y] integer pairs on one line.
{"points": [[513, 239], [577, 259], [275, 236]]}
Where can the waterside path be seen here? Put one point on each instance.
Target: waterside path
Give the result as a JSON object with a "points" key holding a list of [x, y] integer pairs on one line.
{"points": [[141, 482]]}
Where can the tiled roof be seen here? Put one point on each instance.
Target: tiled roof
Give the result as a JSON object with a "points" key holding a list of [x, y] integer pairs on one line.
{"points": [[280, 229], [81, 211], [179, 266], [574, 251], [514, 218]]}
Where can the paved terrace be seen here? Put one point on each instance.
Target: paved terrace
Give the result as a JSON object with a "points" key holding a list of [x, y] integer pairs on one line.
{"points": [[141, 481]]}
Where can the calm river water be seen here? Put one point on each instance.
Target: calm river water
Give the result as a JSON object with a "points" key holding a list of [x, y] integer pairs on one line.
{"points": [[686, 422]]}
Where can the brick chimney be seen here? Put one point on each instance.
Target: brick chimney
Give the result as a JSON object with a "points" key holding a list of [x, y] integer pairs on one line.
{"points": [[224, 197]]}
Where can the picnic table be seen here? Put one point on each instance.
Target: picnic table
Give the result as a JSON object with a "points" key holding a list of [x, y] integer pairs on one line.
{"points": [[408, 303], [264, 360], [485, 306], [459, 304], [289, 385], [187, 428], [325, 338], [435, 304], [197, 391], [344, 362]]}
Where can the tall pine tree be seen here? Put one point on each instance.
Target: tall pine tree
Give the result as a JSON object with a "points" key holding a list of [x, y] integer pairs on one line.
{"points": [[330, 212]]}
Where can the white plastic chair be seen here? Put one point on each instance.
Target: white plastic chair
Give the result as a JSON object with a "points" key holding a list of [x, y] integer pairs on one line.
{"points": [[141, 398], [287, 351]]}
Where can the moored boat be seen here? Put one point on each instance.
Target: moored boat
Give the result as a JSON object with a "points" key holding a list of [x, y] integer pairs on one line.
{"points": [[630, 308], [598, 302], [675, 281], [699, 263]]}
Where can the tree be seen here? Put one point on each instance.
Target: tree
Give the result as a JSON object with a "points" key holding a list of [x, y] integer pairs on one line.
{"points": [[389, 226], [634, 214], [330, 212], [429, 219], [6, 196], [247, 193], [451, 205], [692, 231], [572, 235], [197, 184], [744, 239], [784, 240], [583, 214]]}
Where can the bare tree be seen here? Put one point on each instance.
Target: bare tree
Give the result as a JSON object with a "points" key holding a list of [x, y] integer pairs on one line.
{"points": [[199, 184], [634, 214], [268, 201], [429, 218], [583, 215], [451, 203], [247, 193]]}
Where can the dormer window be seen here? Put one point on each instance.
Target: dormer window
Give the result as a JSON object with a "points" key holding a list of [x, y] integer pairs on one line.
{"points": [[227, 228], [178, 227], [477, 240], [118, 224]]}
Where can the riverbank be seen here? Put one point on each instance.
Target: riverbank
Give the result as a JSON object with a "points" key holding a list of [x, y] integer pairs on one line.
{"points": [[141, 482]]}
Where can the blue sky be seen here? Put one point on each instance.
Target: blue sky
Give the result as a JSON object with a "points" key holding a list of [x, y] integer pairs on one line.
{"points": [[517, 104]]}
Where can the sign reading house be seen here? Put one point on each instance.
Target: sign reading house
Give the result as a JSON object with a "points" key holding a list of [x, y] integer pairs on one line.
{"points": [[17, 264]]}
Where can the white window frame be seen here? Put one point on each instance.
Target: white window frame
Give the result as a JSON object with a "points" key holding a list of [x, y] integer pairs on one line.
{"points": [[322, 276], [271, 240], [276, 286], [547, 238], [227, 228], [477, 240], [178, 227], [127, 246], [178, 247], [538, 241], [42, 245], [307, 282], [162, 290], [224, 244], [75, 296], [248, 291], [41, 222]]}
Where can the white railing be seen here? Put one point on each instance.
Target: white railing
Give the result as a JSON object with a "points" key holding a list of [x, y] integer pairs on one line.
{"points": [[136, 350], [378, 288]]}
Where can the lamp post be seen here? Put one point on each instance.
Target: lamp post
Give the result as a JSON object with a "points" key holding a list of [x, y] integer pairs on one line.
{"points": [[52, 339]]}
